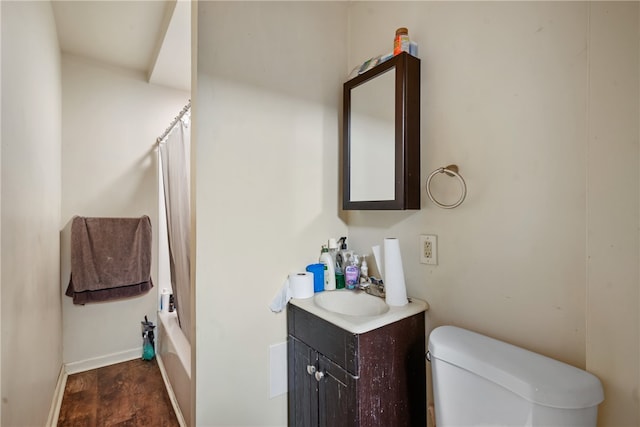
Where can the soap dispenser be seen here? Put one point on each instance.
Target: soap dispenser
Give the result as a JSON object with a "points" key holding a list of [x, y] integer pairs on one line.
{"points": [[341, 256], [364, 269], [352, 272], [329, 269]]}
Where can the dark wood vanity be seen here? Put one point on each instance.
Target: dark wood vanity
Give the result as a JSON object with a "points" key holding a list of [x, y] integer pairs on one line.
{"points": [[337, 378]]}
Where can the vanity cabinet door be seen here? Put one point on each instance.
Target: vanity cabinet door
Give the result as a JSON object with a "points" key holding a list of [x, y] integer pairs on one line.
{"points": [[321, 393], [338, 406], [303, 386]]}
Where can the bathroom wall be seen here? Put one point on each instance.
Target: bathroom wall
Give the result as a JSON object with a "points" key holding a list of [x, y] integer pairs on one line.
{"points": [[31, 137], [612, 209], [537, 102], [266, 130], [111, 118], [503, 97]]}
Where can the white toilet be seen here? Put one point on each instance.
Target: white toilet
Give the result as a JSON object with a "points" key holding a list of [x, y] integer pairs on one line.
{"points": [[480, 381]]}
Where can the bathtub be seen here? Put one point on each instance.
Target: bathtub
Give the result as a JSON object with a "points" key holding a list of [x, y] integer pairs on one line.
{"points": [[174, 360]]}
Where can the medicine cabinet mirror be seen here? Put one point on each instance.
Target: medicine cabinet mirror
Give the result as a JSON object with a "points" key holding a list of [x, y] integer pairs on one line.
{"points": [[381, 141]]}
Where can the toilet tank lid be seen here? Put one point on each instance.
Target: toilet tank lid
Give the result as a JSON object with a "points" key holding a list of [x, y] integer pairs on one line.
{"points": [[537, 378]]}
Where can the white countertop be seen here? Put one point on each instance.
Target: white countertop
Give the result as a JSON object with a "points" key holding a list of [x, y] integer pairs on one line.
{"points": [[362, 324]]}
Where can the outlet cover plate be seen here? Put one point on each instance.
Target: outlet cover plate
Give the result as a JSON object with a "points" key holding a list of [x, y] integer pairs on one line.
{"points": [[428, 249]]}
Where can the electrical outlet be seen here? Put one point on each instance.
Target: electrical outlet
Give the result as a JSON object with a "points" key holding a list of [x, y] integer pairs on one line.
{"points": [[429, 249]]}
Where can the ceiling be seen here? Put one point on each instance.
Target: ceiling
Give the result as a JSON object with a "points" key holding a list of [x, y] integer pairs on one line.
{"points": [[149, 36]]}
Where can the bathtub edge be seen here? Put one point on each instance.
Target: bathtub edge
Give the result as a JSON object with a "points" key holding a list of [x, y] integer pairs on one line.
{"points": [[172, 396]]}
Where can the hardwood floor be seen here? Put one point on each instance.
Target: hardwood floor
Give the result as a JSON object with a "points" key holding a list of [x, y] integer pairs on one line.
{"points": [[125, 394]]}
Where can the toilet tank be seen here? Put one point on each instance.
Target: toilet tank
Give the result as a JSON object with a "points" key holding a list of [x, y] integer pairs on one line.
{"points": [[480, 381]]}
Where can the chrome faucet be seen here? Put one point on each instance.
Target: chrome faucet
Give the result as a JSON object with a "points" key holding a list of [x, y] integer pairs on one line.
{"points": [[373, 287]]}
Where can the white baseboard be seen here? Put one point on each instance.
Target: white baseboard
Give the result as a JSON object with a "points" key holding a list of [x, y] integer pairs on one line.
{"points": [[56, 403], [101, 361], [172, 396]]}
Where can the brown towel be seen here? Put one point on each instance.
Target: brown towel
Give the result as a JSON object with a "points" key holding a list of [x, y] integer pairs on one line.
{"points": [[110, 258]]}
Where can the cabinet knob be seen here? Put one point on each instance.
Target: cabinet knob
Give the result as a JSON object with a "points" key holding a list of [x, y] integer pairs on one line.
{"points": [[311, 369], [319, 375]]}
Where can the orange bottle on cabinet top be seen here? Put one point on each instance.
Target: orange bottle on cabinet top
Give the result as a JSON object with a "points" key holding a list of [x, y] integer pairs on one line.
{"points": [[401, 41]]}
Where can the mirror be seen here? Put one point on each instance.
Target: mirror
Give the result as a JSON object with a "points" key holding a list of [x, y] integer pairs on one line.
{"points": [[381, 152], [372, 139]]}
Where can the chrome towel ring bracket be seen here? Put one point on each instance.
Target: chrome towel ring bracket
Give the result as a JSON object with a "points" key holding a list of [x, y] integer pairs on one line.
{"points": [[451, 170]]}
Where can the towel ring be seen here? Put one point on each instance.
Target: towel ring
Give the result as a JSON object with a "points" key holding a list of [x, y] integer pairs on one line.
{"points": [[451, 170]]}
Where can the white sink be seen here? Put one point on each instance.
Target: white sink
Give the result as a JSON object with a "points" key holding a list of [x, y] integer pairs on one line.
{"points": [[351, 303], [357, 311]]}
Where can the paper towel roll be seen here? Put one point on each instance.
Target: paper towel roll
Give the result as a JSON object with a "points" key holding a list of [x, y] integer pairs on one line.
{"points": [[301, 284], [394, 286]]}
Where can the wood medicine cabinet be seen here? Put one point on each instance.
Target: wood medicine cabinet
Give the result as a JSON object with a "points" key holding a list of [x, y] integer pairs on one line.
{"points": [[381, 139]]}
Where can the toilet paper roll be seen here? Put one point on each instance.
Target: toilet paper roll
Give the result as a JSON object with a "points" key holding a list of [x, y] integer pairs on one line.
{"points": [[301, 284], [394, 285]]}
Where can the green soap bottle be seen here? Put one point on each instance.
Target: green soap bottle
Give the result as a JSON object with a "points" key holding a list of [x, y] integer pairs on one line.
{"points": [[333, 250], [339, 279]]}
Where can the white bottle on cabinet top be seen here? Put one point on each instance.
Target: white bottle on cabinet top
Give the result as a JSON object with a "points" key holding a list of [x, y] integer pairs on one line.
{"points": [[329, 269]]}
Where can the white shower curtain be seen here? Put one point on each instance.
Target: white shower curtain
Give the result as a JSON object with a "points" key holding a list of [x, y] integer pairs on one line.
{"points": [[174, 157]]}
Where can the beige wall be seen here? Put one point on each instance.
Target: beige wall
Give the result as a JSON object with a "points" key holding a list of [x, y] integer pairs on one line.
{"points": [[503, 96], [538, 105], [30, 216], [612, 209], [266, 131], [110, 121]]}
